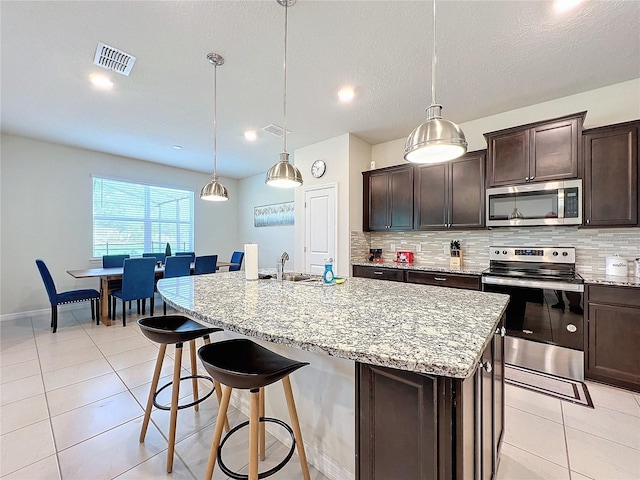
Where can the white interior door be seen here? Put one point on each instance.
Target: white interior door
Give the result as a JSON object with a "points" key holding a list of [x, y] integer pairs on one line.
{"points": [[320, 228]]}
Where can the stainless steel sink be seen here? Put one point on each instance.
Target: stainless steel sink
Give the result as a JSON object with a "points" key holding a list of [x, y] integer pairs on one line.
{"points": [[296, 277]]}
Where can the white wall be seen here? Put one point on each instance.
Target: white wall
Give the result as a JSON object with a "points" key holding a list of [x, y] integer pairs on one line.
{"points": [[272, 241], [335, 153], [613, 104], [46, 212]]}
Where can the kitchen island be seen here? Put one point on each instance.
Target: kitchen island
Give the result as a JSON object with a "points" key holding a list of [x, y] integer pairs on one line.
{"points": [[419, 391]]}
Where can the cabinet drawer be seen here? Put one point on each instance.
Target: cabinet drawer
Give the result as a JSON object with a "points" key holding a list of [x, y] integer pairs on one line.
{"points": [[455, 280], [614, 295], [379, 273]]}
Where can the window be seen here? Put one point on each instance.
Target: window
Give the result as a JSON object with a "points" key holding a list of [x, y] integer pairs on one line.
{"points": [[133, 218]]}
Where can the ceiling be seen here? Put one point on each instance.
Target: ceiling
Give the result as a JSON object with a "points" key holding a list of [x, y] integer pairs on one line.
{"points": [[493, 56]]}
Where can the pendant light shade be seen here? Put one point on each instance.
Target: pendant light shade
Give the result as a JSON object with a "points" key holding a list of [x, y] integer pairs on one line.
{"points": [[284, 174], [436, 140], [214, 191]]}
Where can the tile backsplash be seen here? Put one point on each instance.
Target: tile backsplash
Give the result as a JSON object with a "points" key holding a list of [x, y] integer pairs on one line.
{"points": [[592, 245]]}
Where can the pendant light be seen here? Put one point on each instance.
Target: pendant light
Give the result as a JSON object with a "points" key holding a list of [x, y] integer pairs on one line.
{"points": [[436, 140], [284, 174], [215, 191]]}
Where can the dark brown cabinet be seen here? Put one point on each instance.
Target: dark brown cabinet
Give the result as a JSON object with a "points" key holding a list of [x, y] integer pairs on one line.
{"points": [[537, 152], [455, 280], [424, 277], [416, 426], [451, 194], [379, 273], [611, 176], [613, 335], [388, 199]]}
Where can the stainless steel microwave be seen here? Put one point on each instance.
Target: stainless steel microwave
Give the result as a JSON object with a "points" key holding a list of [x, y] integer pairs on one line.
{"points": [[549, 203]]}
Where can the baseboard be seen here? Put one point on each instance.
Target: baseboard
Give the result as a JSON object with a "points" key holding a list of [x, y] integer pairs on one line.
{"points": [[326, 465], [42, 311]]}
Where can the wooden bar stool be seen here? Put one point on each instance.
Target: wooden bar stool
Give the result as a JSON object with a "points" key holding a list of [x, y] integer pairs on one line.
{"points": [[245, 365], [167, 330]]}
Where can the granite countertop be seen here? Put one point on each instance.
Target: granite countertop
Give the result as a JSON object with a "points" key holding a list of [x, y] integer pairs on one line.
{"points": [[602, 279], [429, 268], [419, 328]]}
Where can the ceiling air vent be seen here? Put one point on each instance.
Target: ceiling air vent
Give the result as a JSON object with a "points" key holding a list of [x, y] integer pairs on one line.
{"points": [[275, 130], [113, 59]]}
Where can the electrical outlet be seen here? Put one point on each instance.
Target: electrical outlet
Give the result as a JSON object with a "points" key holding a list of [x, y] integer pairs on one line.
{"points": [[393, 247], [373, 165], [418, 248], [445, 249]]}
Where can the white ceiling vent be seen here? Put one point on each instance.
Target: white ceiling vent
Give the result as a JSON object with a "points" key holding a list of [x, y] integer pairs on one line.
{"points": [[113, 59], [274, 129]]}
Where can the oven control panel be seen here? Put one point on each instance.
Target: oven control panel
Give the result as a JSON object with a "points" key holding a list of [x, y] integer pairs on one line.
{"points": [[533, 254]]}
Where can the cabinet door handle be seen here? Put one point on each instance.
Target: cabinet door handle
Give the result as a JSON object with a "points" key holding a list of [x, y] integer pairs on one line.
{"points": [[378, 273], [588, 220], [526, 178], [486, 366], [531, 178], [440, 279], [501, 331]]}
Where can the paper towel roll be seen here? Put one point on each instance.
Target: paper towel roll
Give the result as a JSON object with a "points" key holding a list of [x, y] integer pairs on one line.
{"points": [[251, 261]]}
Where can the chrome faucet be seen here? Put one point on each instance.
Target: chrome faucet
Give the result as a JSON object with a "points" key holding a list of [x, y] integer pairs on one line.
{"points": [[280, 265]]}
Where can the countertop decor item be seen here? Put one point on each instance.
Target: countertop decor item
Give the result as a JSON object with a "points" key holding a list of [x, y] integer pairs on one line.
{"points": [[616, 265], [214, 191], [436, 140], [284, 174]]}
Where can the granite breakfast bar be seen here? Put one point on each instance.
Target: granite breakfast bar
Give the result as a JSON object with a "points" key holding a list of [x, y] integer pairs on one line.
{"points": [[423, 407]]}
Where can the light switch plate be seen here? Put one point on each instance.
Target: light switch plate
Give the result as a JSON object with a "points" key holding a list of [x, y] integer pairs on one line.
{"points": [[418, 248]]}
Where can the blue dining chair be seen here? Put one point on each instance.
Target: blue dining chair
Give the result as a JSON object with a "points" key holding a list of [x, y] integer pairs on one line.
{"points": [[138, 281], [178, 266], [191, 255], [112, 261], [237, 257], [160, 257], [71, 296], [206, 264]]}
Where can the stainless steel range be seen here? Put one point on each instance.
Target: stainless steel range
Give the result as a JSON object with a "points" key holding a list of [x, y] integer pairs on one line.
{"points": [[544, 319]]}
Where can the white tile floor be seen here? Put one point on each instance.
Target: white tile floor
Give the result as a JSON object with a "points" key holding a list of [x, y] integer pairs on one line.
{"points": [[71, 406]]}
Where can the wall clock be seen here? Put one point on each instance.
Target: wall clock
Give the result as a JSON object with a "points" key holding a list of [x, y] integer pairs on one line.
{"points": [[318, 168]]}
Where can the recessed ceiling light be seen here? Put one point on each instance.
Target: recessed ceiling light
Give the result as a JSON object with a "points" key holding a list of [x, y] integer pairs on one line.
{"points": [[101, 81], [250, 135], [346, 94], [565, 5], [177, 147]]}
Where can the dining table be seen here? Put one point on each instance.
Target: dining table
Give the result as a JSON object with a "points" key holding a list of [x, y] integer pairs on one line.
{"points": [[115, 273]]}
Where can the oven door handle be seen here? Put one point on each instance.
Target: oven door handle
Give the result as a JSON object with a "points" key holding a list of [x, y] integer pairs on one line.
{"points": [[519, 282]]}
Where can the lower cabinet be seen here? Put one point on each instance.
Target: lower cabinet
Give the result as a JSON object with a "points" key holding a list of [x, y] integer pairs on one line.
{"points": [[381, 273], [613, 335], [414, 426], [440, 279]]}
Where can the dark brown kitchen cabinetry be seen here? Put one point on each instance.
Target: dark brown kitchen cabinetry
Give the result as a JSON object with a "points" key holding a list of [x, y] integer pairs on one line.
{"points": [[611, 175], [455, 280], [424, 277], [417, 426], [537, 152], [388, 199], [451, 194], [381, 273], [613, 335]]}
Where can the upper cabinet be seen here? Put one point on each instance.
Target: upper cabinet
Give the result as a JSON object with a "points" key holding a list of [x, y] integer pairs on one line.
{"points": [[388, 199], [611, 175], [536, 152], [451, 194]]}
